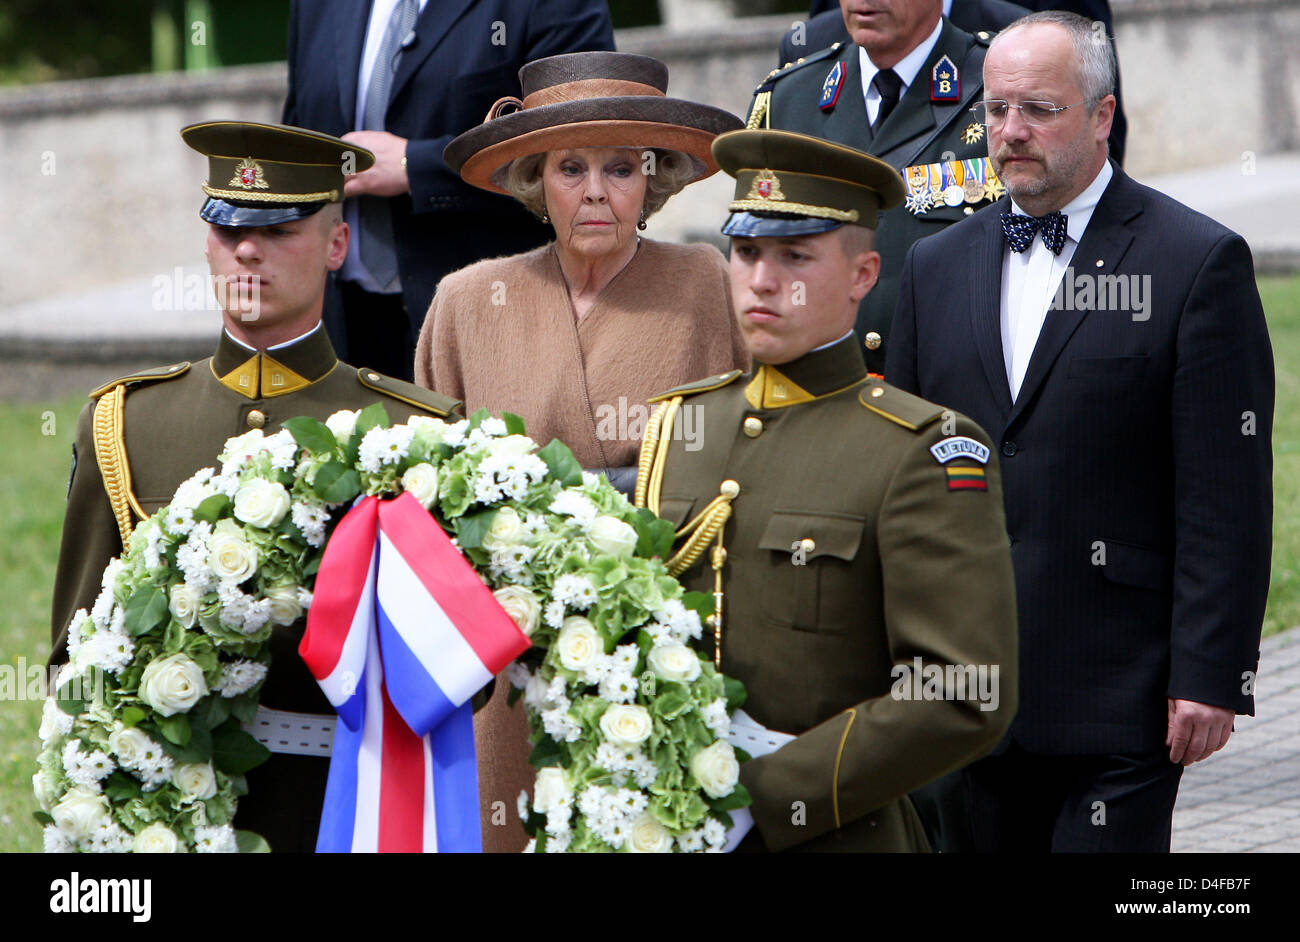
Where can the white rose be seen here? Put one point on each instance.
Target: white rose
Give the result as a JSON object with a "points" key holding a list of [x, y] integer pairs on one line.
{"points": [[196, 781], [421, 481], [230, 556], [184, 604], [625, 725], [172, 684], [521, 605], [80, 812], [44, 789], [512, 445], [648, 836], [342, 423], [285, 606], [612, 536], [156, 839], [261, 503], [550, 791], [716, 769], [578, 645], [428, 429], [506, 530], [674, 661], [130, 745]]}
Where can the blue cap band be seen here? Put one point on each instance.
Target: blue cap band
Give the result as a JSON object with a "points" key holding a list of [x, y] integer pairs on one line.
{"points": [[757, 226], [224, 213]]}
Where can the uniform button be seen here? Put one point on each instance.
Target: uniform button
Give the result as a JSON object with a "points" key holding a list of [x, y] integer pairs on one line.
{"points": [[256, 418], [872, 341], [877, 392], [729, 488], [1009, 448], [753, 426], [807, 545], [373, 377], [968, 210]]}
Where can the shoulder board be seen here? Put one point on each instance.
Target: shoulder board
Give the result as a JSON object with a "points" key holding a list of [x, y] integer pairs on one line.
{"points": [[144, 376], [899, 407], [408, 393], [699, 386], [789, 67]]}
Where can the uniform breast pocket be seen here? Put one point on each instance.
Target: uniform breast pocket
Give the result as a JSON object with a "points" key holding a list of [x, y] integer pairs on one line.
{"points": [[809, 579]]}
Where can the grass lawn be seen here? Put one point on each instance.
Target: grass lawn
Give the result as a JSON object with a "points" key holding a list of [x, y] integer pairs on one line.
{"points": [[34, 459]]}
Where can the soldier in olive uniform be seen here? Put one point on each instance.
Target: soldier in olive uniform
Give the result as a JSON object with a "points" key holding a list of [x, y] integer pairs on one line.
{"points": [[918, 121], [275, 231], [852, 533]]}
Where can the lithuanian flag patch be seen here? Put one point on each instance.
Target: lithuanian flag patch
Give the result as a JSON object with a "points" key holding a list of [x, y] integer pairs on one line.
{"points": [[966, 479]]}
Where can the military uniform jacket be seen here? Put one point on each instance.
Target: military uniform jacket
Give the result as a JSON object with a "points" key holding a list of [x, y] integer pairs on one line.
{"points": [[174, 421], [918, 131], [849, 553]]}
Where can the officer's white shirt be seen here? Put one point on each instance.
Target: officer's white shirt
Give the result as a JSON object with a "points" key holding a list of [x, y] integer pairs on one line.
{"points": [[278, 346], [380, 13], [1031, 278], [906, 68]]}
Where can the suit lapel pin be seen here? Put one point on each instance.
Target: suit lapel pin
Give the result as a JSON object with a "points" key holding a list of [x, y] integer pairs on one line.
{"points": [[945, 83], [831, 87]]}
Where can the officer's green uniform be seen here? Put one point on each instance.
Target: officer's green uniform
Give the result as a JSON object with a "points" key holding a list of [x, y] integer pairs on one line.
{"points": [[918, 133], [861, 527], [144, 434]]}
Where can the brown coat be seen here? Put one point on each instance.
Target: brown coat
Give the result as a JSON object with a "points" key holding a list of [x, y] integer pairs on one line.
{"points": [[502, 334]]}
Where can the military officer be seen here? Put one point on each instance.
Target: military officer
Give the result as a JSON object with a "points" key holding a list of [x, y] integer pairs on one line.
{"points": [[901, 91], [275, 231], [851, 533]]}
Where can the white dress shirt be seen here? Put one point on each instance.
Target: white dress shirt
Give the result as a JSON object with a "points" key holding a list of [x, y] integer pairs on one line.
{"points": [[278, 346], [1031, 278], [906, 69], [380, 13]]}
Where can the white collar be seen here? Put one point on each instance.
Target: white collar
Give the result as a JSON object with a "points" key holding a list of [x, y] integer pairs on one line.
{"points": [[832, 343], [1079, 210], [907, 67], [278, 346]]}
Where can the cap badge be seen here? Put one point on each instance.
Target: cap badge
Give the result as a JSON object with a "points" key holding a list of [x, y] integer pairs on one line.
{"points": [[766, 186], [249, 175]]}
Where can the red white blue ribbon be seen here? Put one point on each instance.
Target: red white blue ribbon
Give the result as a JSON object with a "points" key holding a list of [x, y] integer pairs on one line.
{"points": [[400, 634]]}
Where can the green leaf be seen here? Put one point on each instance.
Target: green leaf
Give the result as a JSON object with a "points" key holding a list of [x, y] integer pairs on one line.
{"points": [[198, 750], [372, 416], [146, 608], [740, 798], [547, 752], [701, 602], [336, 483], [42, 817], [69, 699], [211, 508], [132, 715], [563, 466], [212, 710], [312, 434], [654, 535], [121, 787], [470, 530], [480, 415], [235, 752], [244, 708], [514, 424], [673, 702], [250, 842], [175, 728], [735, 693]]}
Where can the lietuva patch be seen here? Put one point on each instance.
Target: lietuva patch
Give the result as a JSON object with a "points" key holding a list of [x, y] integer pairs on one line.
{"points": [[959, 446]]}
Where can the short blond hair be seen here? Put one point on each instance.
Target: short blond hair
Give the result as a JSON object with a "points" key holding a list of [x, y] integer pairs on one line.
{"points": [[673, 170]]}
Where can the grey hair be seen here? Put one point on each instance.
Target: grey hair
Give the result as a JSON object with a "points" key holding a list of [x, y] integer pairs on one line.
{"points": [[1093, 49], [673, 170]]}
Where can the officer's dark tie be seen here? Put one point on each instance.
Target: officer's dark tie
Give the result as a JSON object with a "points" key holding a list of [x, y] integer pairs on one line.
{"points": [[377, 251], [1020, 230], [888, 85]]}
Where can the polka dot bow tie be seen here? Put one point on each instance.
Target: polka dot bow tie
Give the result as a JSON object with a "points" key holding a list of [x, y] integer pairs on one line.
{"points": [[1020, 230]]}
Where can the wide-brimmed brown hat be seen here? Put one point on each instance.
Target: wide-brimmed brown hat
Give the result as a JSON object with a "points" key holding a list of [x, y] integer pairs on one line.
{"points": [[588, 99]]}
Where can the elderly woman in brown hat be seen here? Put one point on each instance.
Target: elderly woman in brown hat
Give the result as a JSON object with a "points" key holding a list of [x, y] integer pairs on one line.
{"points": [[577, 335]]}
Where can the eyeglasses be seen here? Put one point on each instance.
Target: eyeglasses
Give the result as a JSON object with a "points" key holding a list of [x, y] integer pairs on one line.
{"points": [[1036, 114]]}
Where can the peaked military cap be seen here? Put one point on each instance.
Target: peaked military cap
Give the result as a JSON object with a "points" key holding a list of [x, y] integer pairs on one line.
{"points": [[790, 184], [266, 174]]}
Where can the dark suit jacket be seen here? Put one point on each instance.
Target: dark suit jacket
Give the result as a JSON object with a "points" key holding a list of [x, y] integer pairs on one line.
{"points": [[918, 131], [467, 54], [825, 28], [1136, 462]]}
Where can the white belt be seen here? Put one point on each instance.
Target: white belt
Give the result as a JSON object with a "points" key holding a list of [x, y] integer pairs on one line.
{"points": [[295, 734]]}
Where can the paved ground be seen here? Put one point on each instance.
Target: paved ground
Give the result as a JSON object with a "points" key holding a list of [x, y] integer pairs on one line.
{"points": [[1246, 797]]}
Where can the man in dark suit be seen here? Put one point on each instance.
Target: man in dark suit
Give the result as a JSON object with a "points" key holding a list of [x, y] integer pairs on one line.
{"points": [[902, 91], [1113, 344], [415, 219]]}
